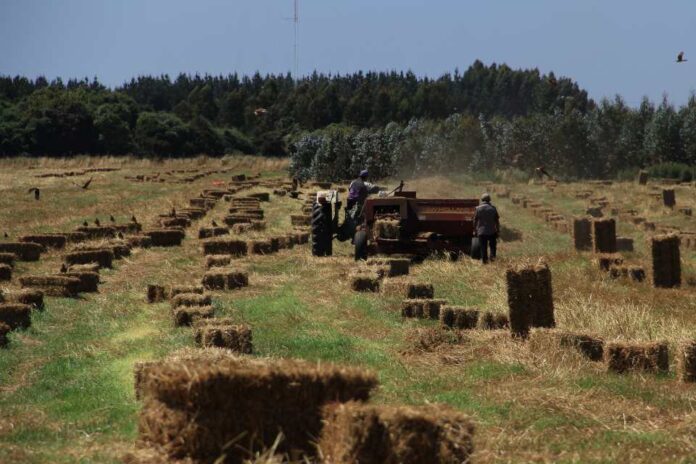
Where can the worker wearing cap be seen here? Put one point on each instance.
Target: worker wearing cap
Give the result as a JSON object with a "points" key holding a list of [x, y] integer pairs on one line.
{"points": [[486, 227], [358, 190]]}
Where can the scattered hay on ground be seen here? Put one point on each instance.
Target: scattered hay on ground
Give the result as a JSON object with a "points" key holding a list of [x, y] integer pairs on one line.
{"points": [[217, 261], [590, 346]]}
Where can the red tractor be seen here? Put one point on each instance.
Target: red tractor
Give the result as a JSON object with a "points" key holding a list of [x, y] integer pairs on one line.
{"points": [[396, 223]]}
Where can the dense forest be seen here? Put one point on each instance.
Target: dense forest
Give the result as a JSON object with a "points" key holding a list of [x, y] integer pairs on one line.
{"points": [[485, 118]]}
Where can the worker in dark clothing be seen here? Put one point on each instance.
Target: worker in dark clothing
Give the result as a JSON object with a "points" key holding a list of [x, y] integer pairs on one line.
{"points": [[487, 227], [358, 190]]}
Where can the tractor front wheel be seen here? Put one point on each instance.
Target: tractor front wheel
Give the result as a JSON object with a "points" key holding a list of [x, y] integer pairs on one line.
{"points": [[360, 241], [321, 230]]}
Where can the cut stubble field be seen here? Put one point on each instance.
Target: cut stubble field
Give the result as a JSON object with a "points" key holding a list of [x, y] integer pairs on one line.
{"points": [[66, 383]]}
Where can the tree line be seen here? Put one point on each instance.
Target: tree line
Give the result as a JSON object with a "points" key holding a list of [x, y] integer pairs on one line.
{"points": [[488, 117]]}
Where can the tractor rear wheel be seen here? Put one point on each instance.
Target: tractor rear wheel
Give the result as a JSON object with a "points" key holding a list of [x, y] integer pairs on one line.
{"points": [[360, 241], [475, 248], [321, 230]]}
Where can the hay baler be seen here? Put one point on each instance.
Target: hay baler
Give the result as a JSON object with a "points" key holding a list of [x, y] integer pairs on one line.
{"points": [[398, 223]]}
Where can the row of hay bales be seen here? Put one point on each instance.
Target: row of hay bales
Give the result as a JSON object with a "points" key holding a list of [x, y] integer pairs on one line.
{"points": [[196, 402]]}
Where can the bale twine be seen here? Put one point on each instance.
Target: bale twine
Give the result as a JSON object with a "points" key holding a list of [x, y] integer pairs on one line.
{"points": [[5, 272], [209, 232], [103, 257], [166, 237], [225, 247], [669, 198], [686, 361], [371, 434], [604, 235], [15, 315], [225, 280], [198, 403], [426, 308], [221, 333], [48, 240], [23, 251], [648, 357], [459, 317], [52, 285], [156, 293], [582, 233], [185, 316], [666, 262]]}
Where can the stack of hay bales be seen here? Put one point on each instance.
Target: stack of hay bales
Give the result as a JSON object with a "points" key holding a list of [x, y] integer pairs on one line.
{"points": [[52, 285], [209, 232], [23, 251], [530, 298], [103, 257], [367, 434], [604, 235], [423, 308], [33, 298], [225, 247], [260, 247], [582, 233], [166, 237], [189, 307], [669, 198], [387, 228], [686, 361], [646, 357], [57, 241], [223, 333], [196, 404], [225, 279], [666, 261], [458, 317], [492, 321], [15, 315]]}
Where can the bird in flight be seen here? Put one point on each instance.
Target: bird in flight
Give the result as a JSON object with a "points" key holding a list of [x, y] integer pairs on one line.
{"points": [[37, 192], [680, 58]]}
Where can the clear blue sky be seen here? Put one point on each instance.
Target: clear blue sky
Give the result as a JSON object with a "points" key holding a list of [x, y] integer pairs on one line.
{"points": [[608, 46]]}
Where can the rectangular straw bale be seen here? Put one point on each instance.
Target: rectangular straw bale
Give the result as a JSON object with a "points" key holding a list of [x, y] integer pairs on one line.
{"points": [[582, 233], [5, 272], [225, 247], [666, 261], [624, 244], [166, 237], [193, 213], [156, 293], [669, 198], [686, 361], [103, 257], [260, 247], [4, 330], [214, 334], [139, 241], [179, 289], [190, 299], [301, 238], [89, 281], [187, 315], [421, 290], [376, 434], [47, 240], [233, 219], [364, 281], [15, 315], [241, 228], [96, 232], [589, 346], [261, 196], [197, 404], [33, 298], [225, 279], [23, 251], [52, 285], [520, 287], [649, 357], [604, 235], [217, 261], [7, 258], [168, 223], [426, 308], [606, 261], [542, 297], [642, 177], [493, 321], [300, 220], [387, 228], [459, 317], [209, 232]]}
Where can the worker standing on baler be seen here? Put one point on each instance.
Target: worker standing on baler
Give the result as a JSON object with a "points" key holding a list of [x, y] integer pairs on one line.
{"points": [[358, 190], [487, 227]]}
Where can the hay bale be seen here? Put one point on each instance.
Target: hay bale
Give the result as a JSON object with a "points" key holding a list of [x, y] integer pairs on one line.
{"points": [[364, 281], [669, 198], [33, 298], [606, 261], [217, 261], [595, 212], [190, 299], [209, 232], [370, 434], [5, 272], [686, 211], [92, 267], [530, 298], [624, 244], [179, 289], [198, 404], [241, 228], [166, 237], [4, 331], [260, 247], [459, 317], [492, 321], [420, 290], [635, 273], [582, 234], [589, 346], [426, 308], [156, 293], [225, 247], [97, 232], [7, 258], [300, 220], [225, 280], [48, 240], [52, 285], [686, 361], [642, 177], [23, 251], [185, 316], [261, 196], [233, 219], [103, 257], [280, 192], [604, 235], [396, 266], [387, 228], [175, 222], [193, 213], [139, 241], [648, 357], [213, 333], [542, 298], [89, 281], [301, 238], [15, 315], [666, 261]]}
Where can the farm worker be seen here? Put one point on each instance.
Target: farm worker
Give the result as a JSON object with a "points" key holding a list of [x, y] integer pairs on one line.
{"points": [[358, 190], [486, 227]]}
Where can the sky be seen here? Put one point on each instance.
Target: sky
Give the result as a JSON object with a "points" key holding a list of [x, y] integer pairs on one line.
{"points": [[609, 47]]}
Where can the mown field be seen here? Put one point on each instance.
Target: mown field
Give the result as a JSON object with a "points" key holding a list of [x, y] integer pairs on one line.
{"points": [[66, 383]]}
